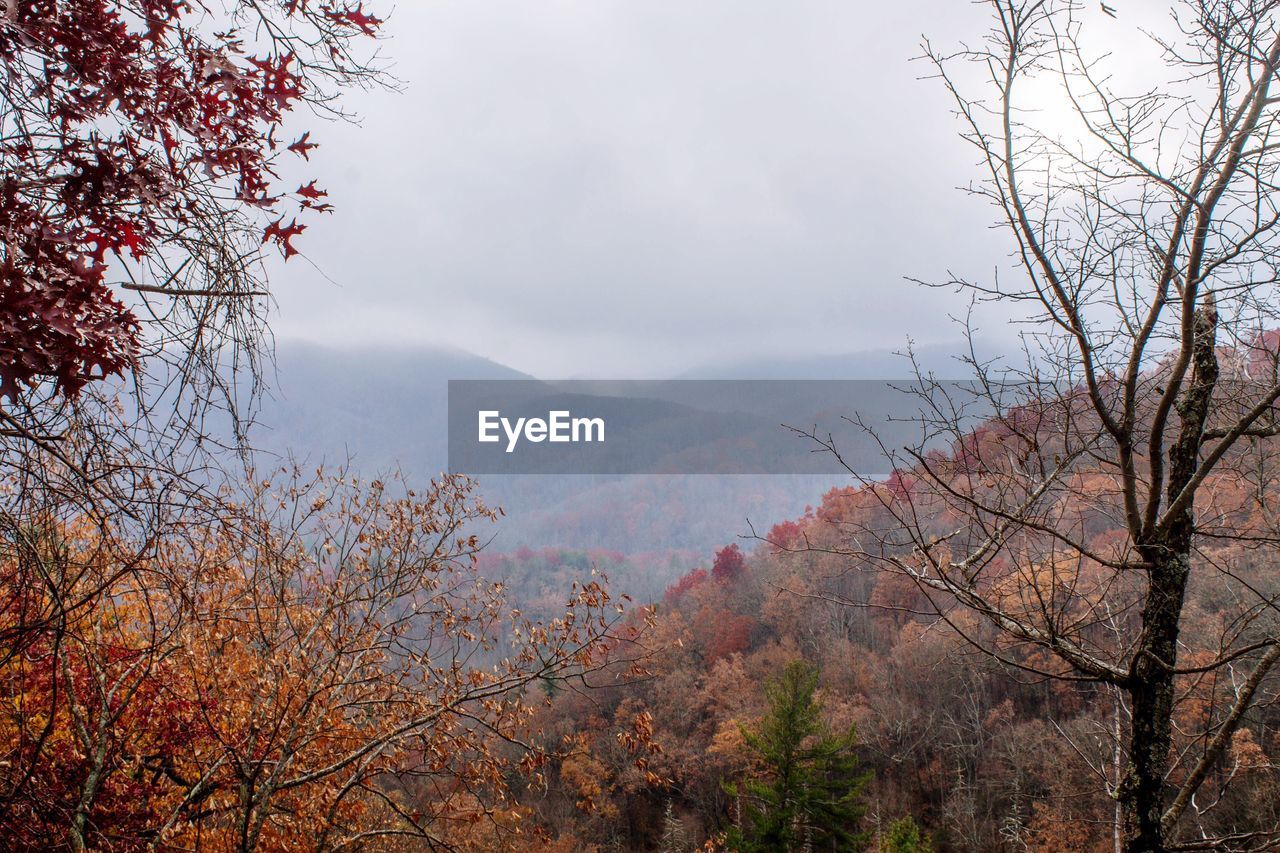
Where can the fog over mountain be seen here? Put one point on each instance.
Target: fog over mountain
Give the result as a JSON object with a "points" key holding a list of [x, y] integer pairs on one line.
{"points": [[382, 408], [898, 363], [377, 406]]}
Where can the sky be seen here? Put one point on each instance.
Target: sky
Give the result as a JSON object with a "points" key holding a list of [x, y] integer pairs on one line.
{"points": [[634, 188]]}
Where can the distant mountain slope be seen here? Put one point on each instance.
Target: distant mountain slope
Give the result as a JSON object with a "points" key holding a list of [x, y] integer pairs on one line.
{"points": [[941, 359], [383, 406], [386, 408]]}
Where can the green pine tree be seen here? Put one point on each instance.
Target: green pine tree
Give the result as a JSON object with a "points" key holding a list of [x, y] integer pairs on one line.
{"points": [[810, 795]]}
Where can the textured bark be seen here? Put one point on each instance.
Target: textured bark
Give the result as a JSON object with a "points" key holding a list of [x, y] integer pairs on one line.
{"points": [[1168, 555]]}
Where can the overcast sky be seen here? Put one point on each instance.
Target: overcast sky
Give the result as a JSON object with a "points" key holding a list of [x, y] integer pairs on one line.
{"points": [[636, 187]]}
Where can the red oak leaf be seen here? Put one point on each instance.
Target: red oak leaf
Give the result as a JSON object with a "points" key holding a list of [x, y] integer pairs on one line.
{"points": [[356, 17], [310, 191], [130, 237], [279, 83], [283, 235], [311, 196], [302, 146]]}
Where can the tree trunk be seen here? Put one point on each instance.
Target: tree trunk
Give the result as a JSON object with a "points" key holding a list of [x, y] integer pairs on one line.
{"points": [[1141, 792], [1168, 557]]}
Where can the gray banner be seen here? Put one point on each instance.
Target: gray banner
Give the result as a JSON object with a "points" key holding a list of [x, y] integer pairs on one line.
{"points": [[679, 426]]}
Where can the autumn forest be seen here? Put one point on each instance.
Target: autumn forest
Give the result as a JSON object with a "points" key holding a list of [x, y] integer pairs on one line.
{"points": [[1047, 621]]}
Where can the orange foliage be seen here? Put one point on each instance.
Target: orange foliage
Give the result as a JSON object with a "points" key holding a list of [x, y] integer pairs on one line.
{"points": [[320, 663]]}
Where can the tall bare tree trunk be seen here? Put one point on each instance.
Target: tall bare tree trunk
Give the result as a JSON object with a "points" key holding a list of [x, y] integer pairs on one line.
{"points": [[1141, 791], [1151, 685]]}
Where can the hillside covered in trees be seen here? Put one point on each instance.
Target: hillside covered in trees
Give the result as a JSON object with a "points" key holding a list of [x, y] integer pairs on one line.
{"points": [[978, 740]]}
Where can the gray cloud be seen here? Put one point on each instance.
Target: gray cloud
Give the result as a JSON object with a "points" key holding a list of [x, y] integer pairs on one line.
{"points": [[616, 187]]}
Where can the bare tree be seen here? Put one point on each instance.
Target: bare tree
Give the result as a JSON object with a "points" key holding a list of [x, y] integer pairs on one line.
{"points": [[1127, 465]]}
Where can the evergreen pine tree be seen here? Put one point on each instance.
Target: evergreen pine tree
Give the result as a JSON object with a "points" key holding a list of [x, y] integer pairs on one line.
{"points": [[810, 795]]}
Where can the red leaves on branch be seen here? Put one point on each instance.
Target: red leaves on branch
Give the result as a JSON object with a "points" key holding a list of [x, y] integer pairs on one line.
{"points": [[282, 236], [279, 84], [62, 321], [311, 196], [138, 130], [356, 17]]}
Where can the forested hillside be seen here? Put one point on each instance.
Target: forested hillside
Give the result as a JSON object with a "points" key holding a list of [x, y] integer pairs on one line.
{"points": [[375, 410], [977, 739]]}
